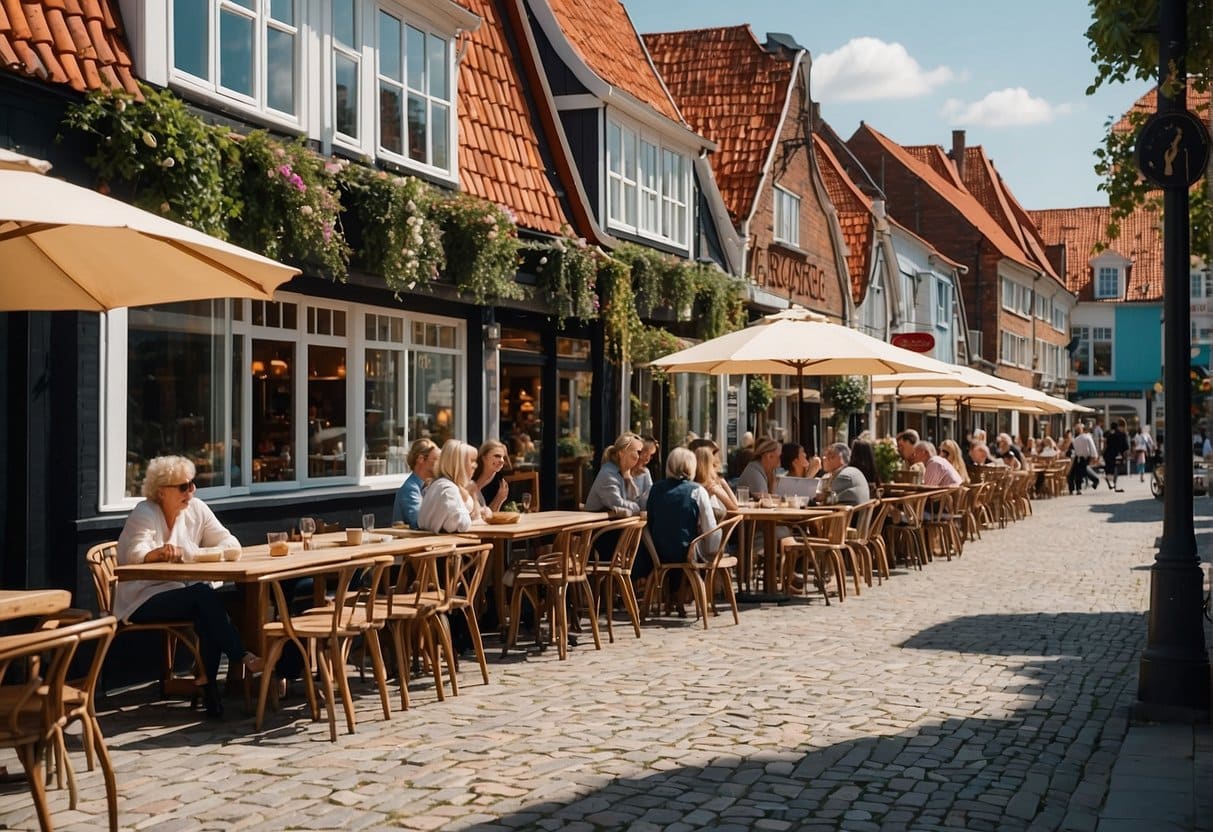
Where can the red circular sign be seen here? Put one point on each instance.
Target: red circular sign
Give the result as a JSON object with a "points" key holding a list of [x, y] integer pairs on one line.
{"points": [[914, 341]]}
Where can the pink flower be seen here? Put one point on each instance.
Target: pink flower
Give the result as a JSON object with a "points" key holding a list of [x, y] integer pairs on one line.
{"points": [[326, 231]]}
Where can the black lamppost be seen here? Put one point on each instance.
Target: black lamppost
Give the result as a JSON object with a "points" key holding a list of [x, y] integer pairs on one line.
{"points": [[1172, 150]]}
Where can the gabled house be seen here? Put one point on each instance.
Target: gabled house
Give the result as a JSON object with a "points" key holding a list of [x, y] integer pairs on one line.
{"points": [[752, 99], [1116, 346], [1015, 301]]}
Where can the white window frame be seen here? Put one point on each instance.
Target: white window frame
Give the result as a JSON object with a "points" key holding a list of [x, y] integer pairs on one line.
{"points": [[1104, 273], [1013, 350], [113, 409], [1089, 335], [631, 184], [786, 215], [943, 305], [258, 103]]}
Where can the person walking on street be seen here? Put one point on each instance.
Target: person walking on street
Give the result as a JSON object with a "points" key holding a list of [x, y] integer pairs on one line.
{"points": [[1143, 446], [1115, 445], [1084, 452]]}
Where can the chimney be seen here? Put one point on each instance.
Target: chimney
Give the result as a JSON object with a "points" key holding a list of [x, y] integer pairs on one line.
{"points": [[958, 152]]}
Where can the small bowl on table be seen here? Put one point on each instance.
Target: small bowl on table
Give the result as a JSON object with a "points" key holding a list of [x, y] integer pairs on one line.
{"points": [[503, 518]]}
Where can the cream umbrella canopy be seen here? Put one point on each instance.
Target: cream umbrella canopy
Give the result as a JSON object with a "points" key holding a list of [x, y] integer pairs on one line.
{"points": [[66, 247]]}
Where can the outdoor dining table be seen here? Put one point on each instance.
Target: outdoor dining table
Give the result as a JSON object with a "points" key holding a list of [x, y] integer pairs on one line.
{"points": [[529, 526], [753, 517], [22, 603], [255, 562]]}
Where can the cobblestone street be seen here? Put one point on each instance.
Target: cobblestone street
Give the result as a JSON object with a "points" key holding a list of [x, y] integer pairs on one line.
{"points": [[986, 693]]}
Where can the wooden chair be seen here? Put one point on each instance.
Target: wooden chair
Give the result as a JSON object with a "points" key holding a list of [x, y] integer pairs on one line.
{"points": [[701, 570], [101, 560], [544, 582], [818, 541], [903, 530], [939, 523], [76, 703], [859, 536], [612, 578], [408, 605], [332, 630], [30, 703]]}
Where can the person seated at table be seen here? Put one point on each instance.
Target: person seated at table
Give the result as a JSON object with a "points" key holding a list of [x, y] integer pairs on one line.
{"points": [[707, 474], [936, 469], [793, 462], [489, 487], [615, 488], [863, 458], [642, 475], [680, 510], [949, 450], [846, 485], [759, 475], [1047, 448], [742, 455], [166, 526], [447, 505], [979, 453], [1008, 452], [423, 456]]}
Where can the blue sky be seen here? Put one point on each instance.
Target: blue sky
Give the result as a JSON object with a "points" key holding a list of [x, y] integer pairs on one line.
{"points": [[1012, 75]]}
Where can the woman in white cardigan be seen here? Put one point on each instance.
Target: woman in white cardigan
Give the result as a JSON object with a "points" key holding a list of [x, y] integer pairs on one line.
{"points": [[447, 505], [169, 525]]}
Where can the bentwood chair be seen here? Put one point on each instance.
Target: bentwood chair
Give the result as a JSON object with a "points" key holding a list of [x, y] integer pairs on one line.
{"points": [[612, 579], [102, 560], [704, 563], [820, 550], [355, 611], [544, 583], [904, 531]]}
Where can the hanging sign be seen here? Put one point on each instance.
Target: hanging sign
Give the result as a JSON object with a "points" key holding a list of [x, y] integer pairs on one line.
{"points": [[914, 341]]}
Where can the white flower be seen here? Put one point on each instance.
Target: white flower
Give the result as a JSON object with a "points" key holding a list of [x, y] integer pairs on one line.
{"points": [[121, 105], [149, 139], [306, 210], [168, 162], [164, 208], [543, 261], [411, 206]]}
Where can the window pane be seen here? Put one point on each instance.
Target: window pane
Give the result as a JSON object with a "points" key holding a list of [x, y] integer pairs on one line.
{"points": [[439, 136], [432, 405], [389, 47], [346, 80], [1101, 358], [326, 397], [236, 53], [385, 440], [417, 149], [191, 34], [280, 71], [344, 22], [239, 368], [414, 49], [648, 165], [175, 357], [439, 83], [390, 134], [273, 408], [614, 148], [283, 11]]}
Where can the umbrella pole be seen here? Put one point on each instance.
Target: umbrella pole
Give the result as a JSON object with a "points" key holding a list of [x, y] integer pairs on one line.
{"points": [[938, 422], [800, 407]]}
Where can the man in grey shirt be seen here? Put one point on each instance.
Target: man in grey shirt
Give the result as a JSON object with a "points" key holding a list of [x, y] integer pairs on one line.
{"points": [[847, 484]]}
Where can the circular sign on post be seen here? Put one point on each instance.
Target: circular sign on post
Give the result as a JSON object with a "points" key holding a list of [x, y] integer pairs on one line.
{"points": [[914, 341], [1173, 149]]}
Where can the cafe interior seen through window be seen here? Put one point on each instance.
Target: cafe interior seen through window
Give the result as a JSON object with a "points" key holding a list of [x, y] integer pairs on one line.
{"points": [[280, 375]]}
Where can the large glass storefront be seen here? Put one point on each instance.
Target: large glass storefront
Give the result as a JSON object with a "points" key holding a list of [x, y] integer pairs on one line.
{"points": [[324, 392]]}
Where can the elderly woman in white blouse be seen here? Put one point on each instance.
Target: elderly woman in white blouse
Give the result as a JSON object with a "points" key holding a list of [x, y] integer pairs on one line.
{"points": [[169, 525], [448, 504]]}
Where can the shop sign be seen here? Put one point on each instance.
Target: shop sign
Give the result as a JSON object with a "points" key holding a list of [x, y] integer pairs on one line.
{"points": [[914, 341], [788, 273]]}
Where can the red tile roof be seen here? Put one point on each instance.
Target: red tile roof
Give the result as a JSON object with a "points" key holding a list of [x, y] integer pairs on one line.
{"points": [[603, 36], [74, 42], [958, 197], [1198, 102], [732, 91], [854, 215], [1083, 230], [499, 144]]}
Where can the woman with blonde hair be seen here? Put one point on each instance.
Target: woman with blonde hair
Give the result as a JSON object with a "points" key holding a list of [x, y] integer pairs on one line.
{"points": [[615, 488], [448, 505], [707, 474], [489, 487], [949, 450]]}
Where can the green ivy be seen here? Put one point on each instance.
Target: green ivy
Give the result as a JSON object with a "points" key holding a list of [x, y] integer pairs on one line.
{"points": [[620, 321], [568, 271], [161, 157], [481, 245], [401, 240]]}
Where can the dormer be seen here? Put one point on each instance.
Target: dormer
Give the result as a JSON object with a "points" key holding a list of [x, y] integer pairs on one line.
{"points": [[1108, 271]]}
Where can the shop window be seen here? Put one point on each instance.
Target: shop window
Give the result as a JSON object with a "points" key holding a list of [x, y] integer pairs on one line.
{"points": [[1093, 353]]}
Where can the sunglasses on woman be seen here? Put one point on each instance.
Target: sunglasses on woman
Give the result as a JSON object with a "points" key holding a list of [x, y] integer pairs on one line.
{"points": [[185, 486]]}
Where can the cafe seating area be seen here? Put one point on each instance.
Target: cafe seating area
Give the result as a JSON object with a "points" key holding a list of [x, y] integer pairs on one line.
{"points": [[393, 598]]}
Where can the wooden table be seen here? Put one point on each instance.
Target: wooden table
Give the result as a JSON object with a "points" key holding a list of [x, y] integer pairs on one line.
{"points": [[768, 519], [529, 526], [21, 603], [255, 563]]}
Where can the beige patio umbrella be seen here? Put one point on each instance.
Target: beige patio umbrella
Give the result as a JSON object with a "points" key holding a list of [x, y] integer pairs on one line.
{"points": [[796, 342], [66, 247]]}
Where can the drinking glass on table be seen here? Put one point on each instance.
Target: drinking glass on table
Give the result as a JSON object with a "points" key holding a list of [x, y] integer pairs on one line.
{"points": [[368, 522], [743, 495], [526, 502], [307, 528]]}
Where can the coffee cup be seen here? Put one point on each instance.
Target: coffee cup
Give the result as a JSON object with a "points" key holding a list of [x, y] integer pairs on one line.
{"points": [[232, 553], [353, 537]]}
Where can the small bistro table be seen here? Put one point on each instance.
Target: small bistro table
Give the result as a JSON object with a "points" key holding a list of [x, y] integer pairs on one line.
{"points": [[23, 603], [768, 518]]}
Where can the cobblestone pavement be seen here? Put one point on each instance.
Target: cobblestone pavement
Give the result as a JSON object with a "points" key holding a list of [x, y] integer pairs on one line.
{"points": [[990, 692]]}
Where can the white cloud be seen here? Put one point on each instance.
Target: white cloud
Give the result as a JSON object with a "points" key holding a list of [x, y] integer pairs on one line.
{"points": [[1012, 107], [868, 69]]}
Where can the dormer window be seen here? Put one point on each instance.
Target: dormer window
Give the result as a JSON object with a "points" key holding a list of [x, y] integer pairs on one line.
{"points": [[787, 217], [1107, 282], [648, 185], [247, 51]]}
